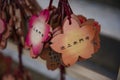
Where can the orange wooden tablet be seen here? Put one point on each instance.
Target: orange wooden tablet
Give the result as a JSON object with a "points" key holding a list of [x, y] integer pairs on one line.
{"points": [[75, 41]]}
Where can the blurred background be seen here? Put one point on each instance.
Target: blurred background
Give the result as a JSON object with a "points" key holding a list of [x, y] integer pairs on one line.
{"points": [[102, 66]]}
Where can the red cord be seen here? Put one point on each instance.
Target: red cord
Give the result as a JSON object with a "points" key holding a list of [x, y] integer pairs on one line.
{"points": [[62, 72], [50, 4], [20, 51]]}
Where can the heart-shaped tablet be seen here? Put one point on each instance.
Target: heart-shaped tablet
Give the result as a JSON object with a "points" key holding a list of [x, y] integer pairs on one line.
{"points": [[76, 41], [38, 33], [53, 59]]}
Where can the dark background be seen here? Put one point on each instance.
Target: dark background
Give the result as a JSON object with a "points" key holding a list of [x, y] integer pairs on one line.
{"points": [[115, 3]]}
